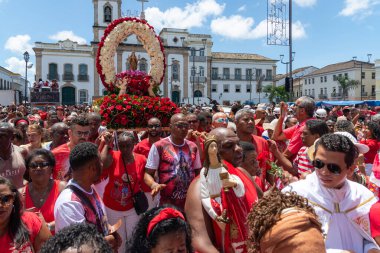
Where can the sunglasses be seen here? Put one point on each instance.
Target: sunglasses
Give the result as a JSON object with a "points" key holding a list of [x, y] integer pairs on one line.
{"points": [[154, 126], [333, 168], [182, 125], [6, 200], [42, 165], [221, 120]]}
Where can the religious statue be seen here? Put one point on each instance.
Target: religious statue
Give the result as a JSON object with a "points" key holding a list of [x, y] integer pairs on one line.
{"points": [[132, 60]]}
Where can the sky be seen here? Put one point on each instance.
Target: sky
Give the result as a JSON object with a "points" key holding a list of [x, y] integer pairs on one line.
{"points": [[324, 31]]}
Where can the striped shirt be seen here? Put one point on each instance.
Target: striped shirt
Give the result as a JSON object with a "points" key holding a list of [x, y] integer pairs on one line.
{"points": [[302, 161]]}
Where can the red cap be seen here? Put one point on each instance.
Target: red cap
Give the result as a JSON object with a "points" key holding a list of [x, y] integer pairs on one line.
{"points": [[346, 107], [59, 108], [377, 108]]}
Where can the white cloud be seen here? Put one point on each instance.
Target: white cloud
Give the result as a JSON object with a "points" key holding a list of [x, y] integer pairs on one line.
{"points": [[19, 44], [64, 35], [305, 3], [238, 27], [17, 65], [242, 8], [358, 8], [192, 15]]}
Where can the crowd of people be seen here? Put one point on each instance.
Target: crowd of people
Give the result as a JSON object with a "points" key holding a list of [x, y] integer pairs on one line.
{"points": [[265, 178], [45, 85]]}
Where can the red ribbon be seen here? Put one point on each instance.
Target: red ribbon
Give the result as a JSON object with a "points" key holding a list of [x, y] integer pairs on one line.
{"points": [[165, 214]]}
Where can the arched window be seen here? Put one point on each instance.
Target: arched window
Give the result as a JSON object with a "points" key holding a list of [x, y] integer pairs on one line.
{"points": [[197, 93], [107, 14], [53, 71], [142, 65]]}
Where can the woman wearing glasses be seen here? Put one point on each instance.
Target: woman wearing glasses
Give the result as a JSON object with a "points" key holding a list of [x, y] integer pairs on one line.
{"points": [[19, 231], [42, 191]]}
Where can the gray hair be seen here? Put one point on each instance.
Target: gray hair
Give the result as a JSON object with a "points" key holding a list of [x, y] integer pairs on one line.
{"points": [[376, 118], [308, 104], [242, 112]]}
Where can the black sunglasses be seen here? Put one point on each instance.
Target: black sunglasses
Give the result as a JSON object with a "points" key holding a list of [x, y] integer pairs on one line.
{"points": [[41, 165], [154, 126], [6, 200], [333, 168]]}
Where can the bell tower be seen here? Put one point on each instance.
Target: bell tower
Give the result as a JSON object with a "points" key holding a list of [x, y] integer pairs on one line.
{"points": [[105, 11]]}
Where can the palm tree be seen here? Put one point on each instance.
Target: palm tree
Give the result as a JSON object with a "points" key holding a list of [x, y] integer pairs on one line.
{"points": [[346, 84], [273, 92]]}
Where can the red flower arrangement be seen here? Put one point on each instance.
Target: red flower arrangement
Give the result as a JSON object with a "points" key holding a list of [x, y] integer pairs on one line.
{"points": [[130, 111], [138, 82]]}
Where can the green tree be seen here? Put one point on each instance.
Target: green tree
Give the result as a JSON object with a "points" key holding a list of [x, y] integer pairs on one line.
{"points": [[346, 84], [273, 92]]}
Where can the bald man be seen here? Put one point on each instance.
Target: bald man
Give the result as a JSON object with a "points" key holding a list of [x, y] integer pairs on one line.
{"points": [[205, 239], [176, 160]]}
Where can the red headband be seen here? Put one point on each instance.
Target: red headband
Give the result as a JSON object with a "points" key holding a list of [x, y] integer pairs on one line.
{"points": [[22, 121], [165, 214]]}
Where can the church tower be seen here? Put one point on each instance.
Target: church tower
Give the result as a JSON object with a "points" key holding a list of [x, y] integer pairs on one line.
{"points": [[105, 11]]}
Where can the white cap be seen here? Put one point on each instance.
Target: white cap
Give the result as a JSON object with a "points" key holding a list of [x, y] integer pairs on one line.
{"points": [[321, 113], [277, 110]]}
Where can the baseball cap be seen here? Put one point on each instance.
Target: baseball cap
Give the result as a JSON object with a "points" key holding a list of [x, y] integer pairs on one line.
{"points": [[321, 113]]}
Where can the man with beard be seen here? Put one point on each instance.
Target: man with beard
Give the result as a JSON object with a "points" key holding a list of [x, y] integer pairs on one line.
{"points": [[205, 236], [176, 160], [154, 132], [58, 134], [79, 132]]}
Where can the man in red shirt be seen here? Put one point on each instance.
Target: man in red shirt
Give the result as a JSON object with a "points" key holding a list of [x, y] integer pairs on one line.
{"points": [[79, 132], [304, 110], [154, 132], [260, 115], [245, 127]]}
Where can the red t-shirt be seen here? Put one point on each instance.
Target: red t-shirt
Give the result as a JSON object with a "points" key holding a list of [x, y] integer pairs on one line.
{"points": [[374, 219], [33, 224], [62, 163], [143, 147], [259, 129], [117, 193], [293, 134], [47, 210], [373, 148], [264, 155]]}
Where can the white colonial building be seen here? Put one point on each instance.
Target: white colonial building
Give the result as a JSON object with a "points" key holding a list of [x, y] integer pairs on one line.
{"points": [[322, 84], [12, 87], [194, 73]]}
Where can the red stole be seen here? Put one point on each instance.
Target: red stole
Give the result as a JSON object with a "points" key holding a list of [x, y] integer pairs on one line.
{"points": [[236, 231]]}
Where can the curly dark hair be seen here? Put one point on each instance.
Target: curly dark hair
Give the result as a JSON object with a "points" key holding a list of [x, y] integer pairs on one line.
{"points": [[375, 130], [80, 120], [345, 126], [47, 154], [142, 243], [76, 236], [317, 126], [82, 154], [339, 143], [17, 231], [267, 212]]}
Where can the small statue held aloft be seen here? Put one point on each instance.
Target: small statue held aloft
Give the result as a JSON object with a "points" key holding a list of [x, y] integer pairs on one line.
{"points": [[132, 60]]}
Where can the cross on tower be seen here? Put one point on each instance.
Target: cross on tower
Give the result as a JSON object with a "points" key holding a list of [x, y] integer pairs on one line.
{"points": [[142, 15]]}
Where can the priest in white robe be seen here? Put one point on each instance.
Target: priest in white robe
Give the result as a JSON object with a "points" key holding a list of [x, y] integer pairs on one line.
{"points": [[342, 205]]}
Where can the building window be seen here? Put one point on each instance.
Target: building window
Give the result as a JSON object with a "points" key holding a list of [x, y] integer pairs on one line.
{"points": [[325, 78], [1, 84], [142, 65], [53, 71], [107, 14], [83, 72], [313, 93], [268, 75], [321, 91], [373, 75], [335, 78], [82, 96], [321, 79], [334, 90], [325, 90], [259, 72], [238, 88], [312, 80], [175, 71], [363, 75], [305, 92], [226, 73], [346, 75], [248, 74], [226, 88], [214, 73], [373, 90], [248, 88], [202, 52], [192, 52], [198, 94], [309, 92], [201, 71], [214, 88], [68, 72], [340, 75], [192, 71], [237, 74]]}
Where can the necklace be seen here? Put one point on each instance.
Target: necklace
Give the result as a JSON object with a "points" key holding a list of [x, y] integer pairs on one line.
{"points": [[40, 197]]}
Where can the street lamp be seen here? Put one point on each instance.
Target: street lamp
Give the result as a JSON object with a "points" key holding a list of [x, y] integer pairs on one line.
{"points": [[193, 71], [26, 58], [289, 75], [361, 73]]}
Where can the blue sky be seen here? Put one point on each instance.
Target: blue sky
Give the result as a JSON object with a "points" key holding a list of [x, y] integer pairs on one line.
{"points": [[325, 32]]}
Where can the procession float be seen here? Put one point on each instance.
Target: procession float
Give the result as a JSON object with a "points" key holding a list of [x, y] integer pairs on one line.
{"points": [[132, 95]]}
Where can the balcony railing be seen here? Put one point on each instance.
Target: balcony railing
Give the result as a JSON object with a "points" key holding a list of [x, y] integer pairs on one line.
{"points": [[198, 58], [364, 94], [373, 93], [237, 77], [82, 77], [336, 95], [322, 96], [68, 77], [198, 79], [52, 77], [44, 96]]}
